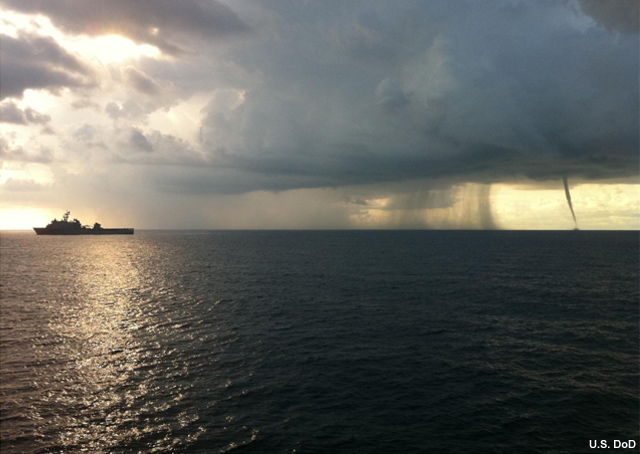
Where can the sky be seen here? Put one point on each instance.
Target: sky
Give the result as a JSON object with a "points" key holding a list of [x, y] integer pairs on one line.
{"points": [[320, 114]]}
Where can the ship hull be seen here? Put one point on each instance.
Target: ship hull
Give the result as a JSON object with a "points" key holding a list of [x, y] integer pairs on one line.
{"points": [[45, 231]]}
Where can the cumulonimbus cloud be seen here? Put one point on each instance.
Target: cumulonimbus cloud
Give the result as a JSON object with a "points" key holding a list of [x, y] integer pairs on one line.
{"points": [[485, 92], [372, 91]]}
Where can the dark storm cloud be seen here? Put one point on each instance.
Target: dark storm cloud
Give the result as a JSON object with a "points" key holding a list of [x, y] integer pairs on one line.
{"points": [[37, 62], [334, 93], [619, 16], [485, 91], [162, 23], [11, 113]]}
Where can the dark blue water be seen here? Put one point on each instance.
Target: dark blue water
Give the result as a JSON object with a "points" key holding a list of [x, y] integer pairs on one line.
{"points": [[319, 342]]}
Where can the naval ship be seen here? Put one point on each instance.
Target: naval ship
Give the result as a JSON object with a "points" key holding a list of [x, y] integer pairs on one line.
{"points": [[67, 227]]}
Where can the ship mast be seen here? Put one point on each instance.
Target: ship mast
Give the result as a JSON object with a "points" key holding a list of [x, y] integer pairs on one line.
{"points": [[66, 216]]}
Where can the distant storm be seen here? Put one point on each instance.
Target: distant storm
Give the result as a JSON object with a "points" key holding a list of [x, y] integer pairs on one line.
{"points": [[322, 114]]}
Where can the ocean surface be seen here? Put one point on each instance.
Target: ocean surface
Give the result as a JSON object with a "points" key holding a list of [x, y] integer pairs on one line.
{"points": [[319, 342]]}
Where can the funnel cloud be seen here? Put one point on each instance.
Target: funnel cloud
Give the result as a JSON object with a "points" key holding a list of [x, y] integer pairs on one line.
{"points": [[568, 195]]}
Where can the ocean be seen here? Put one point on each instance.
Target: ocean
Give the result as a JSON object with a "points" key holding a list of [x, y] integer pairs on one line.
{"points": [[320, 342]]}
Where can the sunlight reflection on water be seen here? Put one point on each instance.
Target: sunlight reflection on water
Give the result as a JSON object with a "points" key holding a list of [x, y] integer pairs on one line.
{"points": [[102, 386], [96, 327]]}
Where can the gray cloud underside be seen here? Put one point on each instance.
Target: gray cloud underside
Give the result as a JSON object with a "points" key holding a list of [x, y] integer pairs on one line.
{"points": [[621, 15], [384, 92], [198, 176], [37, 62]]}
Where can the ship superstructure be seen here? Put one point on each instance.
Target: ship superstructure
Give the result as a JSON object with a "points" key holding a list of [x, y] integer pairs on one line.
{"points": [[67, 227]]}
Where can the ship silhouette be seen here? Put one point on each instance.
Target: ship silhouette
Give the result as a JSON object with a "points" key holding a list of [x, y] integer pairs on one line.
{"points": [[66, 227]]}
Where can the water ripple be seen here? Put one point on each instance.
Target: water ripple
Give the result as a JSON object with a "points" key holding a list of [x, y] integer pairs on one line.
{"points": [[318, 342]]}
